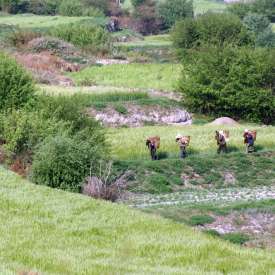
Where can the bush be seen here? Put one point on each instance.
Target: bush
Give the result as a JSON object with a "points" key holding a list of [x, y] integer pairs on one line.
{"points": [[213, 29], [64, 162], [23, 130], [236, 238], [71, 8], [256, 22], [16, 86], [264, 7], [230, 82], [171, 11], [200, 220], [86, 36]]}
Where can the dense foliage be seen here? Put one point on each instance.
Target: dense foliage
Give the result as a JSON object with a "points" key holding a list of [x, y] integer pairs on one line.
{"points": [[230, 81], [263, 7], [52, 7], [171, 11], [64, 162], [16, 85], [212, 29]]}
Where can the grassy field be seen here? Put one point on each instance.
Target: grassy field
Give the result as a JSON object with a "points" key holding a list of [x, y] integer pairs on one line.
{"points": [[129, 143], [153, 41], [147, 76], [54, 232], [200, 6], [30, 21]]}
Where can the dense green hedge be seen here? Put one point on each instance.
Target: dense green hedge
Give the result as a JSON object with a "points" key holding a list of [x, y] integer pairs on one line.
{"points": [[230, 81], [16, 85], [214, 29]]}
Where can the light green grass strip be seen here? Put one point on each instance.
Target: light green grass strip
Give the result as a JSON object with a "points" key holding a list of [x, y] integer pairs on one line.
{"points": [[55, 232], [148, 76], [40, 21]]}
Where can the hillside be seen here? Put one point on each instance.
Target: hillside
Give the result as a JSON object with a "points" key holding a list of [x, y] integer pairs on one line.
{"points": [[54, 232]]}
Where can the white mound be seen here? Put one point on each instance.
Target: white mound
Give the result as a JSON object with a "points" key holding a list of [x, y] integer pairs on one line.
{"points": [[225, 121]]}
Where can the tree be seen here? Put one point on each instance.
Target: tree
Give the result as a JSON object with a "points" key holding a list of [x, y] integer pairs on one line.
{"points": [[230, 81], [171, 11], [215, 29]]}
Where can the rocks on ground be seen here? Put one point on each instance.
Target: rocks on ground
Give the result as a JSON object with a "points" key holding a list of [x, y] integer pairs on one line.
{"points": [[137, 116], [225, 121]]}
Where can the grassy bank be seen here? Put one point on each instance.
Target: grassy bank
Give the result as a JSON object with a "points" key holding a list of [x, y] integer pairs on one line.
{"points": [[55, 232], [147, 76], [208, 171]]}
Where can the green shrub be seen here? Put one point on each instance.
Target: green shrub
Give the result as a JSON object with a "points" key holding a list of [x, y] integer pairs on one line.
{"points": [[236, 238], [16, 86], [171, 11], [230, 82], [214, 29], [85, 35], [23, 130], [71, 8], [264, 7], [121, 109], [200, 220], [64, 162]]}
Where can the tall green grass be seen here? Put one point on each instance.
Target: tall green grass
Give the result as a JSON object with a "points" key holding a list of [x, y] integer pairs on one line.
{"points": [[147, 76], [54, 232], [130, 143], [29, 21]]}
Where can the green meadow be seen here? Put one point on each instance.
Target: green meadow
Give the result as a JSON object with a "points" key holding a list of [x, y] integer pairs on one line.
{"points": [[145, 76], [129, 143], [56, 232]]}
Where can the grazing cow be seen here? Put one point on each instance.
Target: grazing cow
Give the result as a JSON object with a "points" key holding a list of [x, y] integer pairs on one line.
{"points": [[183, 142], [222, 138], [153, 143], [249, 140]]}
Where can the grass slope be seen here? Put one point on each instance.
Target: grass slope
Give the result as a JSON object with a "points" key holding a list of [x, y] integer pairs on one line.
{"points": [[55, 232], [208, 171], [147, 76]]}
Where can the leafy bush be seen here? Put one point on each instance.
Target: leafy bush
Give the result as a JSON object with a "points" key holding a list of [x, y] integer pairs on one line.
{"points": [[171, 11], [23, 130], [236, 238], [16, 86], [264, 7], [21, 37], [260, 26], [71, 8], [121, 109], [86, 36], [214, 29], [256, 22], [200, 220], [230, 82], [64, 162]]}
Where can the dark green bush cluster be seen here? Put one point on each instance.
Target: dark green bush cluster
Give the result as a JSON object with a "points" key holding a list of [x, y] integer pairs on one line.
{"points": [[53, 132], [214, 29], [87, 36], [170, 11], [52, 7], [231, 82], [263, 7], [200, 220], [16, 86]]}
